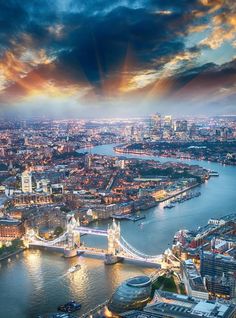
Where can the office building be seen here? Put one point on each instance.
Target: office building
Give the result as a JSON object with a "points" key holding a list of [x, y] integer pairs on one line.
{"points": [[219, 273], [168, 122], [193, 281], [11, 229], [171, 305], [155, 124], [181, 126], [133, 293]]}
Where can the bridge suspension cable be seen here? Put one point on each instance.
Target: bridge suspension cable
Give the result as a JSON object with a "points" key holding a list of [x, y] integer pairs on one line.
{"points": [[130, 248], [53, 242], [125, 246]]}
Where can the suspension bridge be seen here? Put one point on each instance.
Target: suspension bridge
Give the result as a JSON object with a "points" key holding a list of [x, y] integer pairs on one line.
{"points": [[118, 248]]}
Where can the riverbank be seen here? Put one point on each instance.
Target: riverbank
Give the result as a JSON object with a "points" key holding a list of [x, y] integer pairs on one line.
{"points": [[122, 150], [132, 218], [7, 255], [179, 192]]}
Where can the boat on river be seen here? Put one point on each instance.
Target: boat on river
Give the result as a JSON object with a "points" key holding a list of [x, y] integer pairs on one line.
{"points": [[74, 268], [169, 206], [69, 307]]}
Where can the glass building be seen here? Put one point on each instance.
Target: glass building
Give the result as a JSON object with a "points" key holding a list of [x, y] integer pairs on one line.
{"points": [[133, 293]]}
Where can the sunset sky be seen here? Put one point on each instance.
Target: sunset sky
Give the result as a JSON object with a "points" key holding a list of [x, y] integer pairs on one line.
{"points": [[101, 58]]}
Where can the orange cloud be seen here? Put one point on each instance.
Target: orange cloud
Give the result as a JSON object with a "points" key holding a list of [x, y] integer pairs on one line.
{"points": [[198, 28], [218, 37], [11, 69], [14, 68], [34, 74], [223, 25]]}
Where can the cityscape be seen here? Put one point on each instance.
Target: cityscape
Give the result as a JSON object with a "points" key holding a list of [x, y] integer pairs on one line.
{"points": [[117, 159], [68, 187]]}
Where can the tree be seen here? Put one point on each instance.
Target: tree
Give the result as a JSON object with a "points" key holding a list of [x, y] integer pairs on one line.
{"points": [[58, 231], [64, 209]]}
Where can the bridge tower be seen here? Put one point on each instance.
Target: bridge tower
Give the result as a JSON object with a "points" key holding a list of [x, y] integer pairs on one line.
{"points": [[72, 238], [113, 236], [76, 233]]}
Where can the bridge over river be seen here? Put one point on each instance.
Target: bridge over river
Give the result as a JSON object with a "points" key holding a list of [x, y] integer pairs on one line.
{"points": [[118, 248]]}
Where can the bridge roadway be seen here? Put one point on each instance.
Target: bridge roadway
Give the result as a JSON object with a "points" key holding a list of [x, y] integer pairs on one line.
{"points": [[99, 252], [126, 251], [87, 230], [121, 255], [91, 251]]}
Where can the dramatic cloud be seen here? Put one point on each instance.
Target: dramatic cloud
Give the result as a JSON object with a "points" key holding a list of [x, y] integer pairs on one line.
{"points": [[110, 53]]}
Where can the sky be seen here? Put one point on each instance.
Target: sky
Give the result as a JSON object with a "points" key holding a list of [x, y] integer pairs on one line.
{"points": [[117, 58]]}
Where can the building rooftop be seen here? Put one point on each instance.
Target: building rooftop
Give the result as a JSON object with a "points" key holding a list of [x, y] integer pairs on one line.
{"points": [[219, 257], [171, 305], [193, 276], [207, 309], [9, 222], [139, 281]]}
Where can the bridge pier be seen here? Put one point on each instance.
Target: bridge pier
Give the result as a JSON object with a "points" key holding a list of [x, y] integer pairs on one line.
{"points": [[111, 259], [70, 252]]}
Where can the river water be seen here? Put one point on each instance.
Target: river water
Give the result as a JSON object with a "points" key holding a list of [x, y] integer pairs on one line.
{"points": [[36, 282]]}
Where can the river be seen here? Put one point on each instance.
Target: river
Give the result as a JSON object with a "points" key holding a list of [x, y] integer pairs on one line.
{"points": [[35, 281]]}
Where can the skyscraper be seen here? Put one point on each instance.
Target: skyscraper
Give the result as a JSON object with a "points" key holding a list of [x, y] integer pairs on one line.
{"points": [[155, 124], [181, 126], [168, 121], [219, 274]]}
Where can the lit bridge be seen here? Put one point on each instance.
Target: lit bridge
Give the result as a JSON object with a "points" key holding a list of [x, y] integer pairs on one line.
{"points": [[118, 248]]}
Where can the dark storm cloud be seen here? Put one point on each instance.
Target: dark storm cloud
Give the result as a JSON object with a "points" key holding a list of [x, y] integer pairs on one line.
{"points": [[95, 42], [101, 6], [13, 18], [211, 72], [209, 87], [96, 34], [100, 44]]}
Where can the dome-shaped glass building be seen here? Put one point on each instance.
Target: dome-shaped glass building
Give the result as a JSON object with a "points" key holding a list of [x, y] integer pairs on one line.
{"points": [[133, 293]]}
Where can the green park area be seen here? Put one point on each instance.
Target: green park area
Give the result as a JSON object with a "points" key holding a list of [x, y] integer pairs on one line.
{"points": [[167, 283]]}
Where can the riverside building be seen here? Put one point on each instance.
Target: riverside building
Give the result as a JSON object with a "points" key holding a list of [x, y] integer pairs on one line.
{"points": [[172, 305], [193, 281], [11, 229], [219, 272]]}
